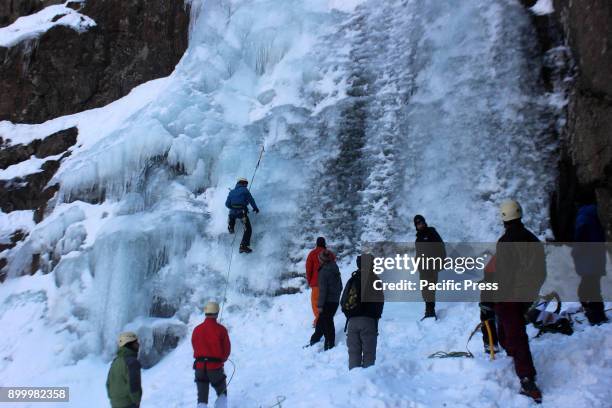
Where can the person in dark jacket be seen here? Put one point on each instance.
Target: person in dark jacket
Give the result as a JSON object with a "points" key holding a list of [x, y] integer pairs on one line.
{"points": [[330, 289], [211, 349], [362, 325], [429, 245], [312, 275], [237, 202], [589, 254], [123, 385], [520, 271]]}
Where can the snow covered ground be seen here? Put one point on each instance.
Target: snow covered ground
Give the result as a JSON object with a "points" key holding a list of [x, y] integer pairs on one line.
{"points": [[368, 112], [267, 338]]}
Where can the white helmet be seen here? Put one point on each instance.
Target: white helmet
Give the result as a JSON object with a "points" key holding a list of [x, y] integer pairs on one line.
{"points": [[510, 210], [126, 337], [211, 308], [242, 180]]}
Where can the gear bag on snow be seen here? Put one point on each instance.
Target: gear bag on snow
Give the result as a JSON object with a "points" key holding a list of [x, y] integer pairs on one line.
{"points": [[549, 322], [350, 302]]}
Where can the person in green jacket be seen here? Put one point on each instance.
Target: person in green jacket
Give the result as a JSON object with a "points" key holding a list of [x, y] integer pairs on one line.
{"points": [[123, 381]]}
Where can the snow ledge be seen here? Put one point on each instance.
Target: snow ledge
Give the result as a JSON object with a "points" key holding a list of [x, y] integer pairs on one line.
{"points": [[35, 25]]}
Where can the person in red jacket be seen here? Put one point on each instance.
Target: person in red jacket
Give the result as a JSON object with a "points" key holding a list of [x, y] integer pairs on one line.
{"points": [[211, 349], [312, 275]]}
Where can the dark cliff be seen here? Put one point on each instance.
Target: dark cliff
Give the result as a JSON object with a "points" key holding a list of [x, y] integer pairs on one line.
{"points": [[583, 30], [64, 72], [586, 143], [11, 10]]}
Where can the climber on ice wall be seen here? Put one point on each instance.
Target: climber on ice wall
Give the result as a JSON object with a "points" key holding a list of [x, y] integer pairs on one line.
{"points": [[237, 201]]}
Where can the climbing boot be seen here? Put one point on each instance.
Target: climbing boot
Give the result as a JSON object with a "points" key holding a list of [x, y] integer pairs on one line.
{"points": [[530, 389], [245, 249]]}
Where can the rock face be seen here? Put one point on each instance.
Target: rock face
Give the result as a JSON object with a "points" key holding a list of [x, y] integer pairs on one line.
{"points": [[65, 72], [31, 191], [51, 145], [586, 143]]}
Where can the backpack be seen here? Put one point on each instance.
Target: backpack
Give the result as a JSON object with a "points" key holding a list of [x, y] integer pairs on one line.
{"points": [[549, 322], [350, 302]]}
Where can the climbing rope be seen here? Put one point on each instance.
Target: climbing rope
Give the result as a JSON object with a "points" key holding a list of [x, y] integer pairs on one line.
{"points": [[261, 152], [452, 354], [279, 400], [231, 254], [233, 372]]}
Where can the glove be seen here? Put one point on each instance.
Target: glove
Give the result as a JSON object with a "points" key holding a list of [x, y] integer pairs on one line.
{"points": [[256, 211]]}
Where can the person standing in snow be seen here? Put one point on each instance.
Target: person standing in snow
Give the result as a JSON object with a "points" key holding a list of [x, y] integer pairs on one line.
{"points": [[520, 271], [589, 256], [330, 288], [211, 349], [429, 245], [123, 381], [237, 202], [362, 314], [312, 275]]}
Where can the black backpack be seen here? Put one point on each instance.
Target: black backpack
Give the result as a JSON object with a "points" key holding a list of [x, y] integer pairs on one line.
{"points": [[350, 302]]}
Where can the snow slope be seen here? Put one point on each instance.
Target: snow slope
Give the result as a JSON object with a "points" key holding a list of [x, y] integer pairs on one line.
{"points": [[368, 112], [270, 363]]}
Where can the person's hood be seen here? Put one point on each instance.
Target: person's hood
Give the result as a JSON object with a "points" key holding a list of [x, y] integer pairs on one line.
{"points": [[325, 257]]}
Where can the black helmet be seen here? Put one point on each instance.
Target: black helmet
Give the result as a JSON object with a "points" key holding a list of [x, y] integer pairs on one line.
{"points": [[419, 218]]}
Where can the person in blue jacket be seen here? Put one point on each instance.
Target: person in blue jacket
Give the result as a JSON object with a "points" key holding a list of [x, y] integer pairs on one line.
{"points": [[590, 257], [237, 201]]}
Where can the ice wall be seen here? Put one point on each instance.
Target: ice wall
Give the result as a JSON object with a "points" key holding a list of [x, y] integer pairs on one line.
{"points": [[367, 115]]}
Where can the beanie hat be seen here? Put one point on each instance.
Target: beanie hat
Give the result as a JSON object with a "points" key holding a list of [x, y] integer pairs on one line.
{"points": [[321, 242]]}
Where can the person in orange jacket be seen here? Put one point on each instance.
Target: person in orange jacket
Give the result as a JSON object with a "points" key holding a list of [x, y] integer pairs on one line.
{"points": [[211, 349], [312, 275]]}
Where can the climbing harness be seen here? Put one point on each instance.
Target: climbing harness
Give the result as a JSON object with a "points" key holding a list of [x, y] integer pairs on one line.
{"points": [[231, 255]]}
